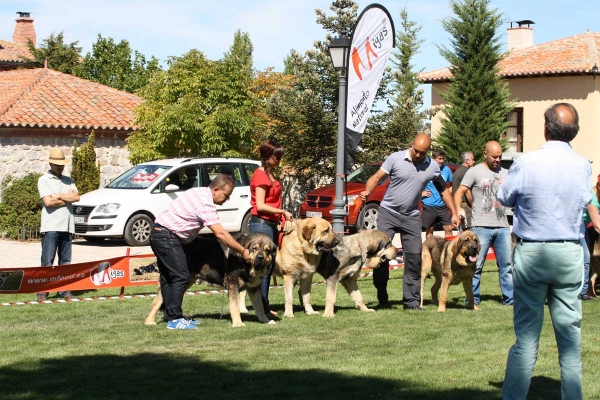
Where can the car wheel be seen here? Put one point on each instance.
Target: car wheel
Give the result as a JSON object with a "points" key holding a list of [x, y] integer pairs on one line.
{"points": [[137, 230], [93, 239], [367, 218], [245, 229]]}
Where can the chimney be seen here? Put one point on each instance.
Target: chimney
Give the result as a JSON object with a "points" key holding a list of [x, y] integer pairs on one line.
{"points": [[24, 29], [520, 37]]}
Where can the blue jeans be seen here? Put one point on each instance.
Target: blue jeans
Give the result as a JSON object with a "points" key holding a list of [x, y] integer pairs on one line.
{"points": [[500, 239], [546, 272], [173, 267], [53, 242], [270, 231]]}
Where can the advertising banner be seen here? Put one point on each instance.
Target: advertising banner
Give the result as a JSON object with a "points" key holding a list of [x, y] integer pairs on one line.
{"points": [[373, 39], [114, 272]]}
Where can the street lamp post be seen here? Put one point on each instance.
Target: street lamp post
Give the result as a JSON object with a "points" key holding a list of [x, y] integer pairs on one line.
{"points": [[338, 51]]}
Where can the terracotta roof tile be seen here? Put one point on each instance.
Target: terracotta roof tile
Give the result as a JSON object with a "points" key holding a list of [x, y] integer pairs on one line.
{"points": [[46, 98], [569, 56], [13, 52]]}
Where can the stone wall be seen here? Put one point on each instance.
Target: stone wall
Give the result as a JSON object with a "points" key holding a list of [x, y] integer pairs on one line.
{"points": [[20, 156]]}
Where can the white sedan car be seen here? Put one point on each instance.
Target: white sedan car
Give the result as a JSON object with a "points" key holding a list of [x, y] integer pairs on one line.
{"points": [[126, 207]]}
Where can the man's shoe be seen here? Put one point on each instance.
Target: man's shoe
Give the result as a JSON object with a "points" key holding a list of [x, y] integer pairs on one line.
{"points": [[191, 320], [42, 297], [180, 323], [68, 296], [413, 308], [586, 297]]}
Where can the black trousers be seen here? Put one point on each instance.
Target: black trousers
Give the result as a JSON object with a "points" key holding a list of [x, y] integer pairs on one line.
{"points": [[409, 228], [173, 268]]}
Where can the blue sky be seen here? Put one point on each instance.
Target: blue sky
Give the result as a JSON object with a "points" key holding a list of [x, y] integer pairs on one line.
{"points": [[164, 28]]}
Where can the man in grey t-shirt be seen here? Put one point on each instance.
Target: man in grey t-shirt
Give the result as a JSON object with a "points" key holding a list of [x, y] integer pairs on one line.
{"points": [[489, 218], [409, 172]]}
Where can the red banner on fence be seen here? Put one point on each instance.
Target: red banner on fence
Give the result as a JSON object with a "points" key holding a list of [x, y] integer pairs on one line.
{"points": [[114, 272]]}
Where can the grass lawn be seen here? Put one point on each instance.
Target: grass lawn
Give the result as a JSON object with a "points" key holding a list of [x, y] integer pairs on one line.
{"points": [[102, 350]]}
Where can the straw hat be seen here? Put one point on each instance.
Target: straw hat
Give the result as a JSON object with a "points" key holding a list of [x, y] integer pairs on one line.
{"points": [[57, 156]]}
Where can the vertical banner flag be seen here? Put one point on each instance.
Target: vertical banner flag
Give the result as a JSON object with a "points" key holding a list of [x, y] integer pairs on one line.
{"points": [[373, 39]]}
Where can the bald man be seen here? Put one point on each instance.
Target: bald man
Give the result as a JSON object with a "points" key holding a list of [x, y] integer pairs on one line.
{"points": [[489, 220], [409, 172], [549, 189]]}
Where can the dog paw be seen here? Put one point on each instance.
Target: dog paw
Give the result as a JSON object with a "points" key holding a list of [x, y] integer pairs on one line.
{"points": [[271, 322], [150, 323], [243, 311], [313, 312], [289, 315], [238, 325], [441, 310], [328, 315], [476, 307], [368, 310]]}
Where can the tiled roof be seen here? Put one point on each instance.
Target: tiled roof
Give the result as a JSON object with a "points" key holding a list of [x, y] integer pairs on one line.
{"points": [[45, 98], [573, 55], [12, 52]]}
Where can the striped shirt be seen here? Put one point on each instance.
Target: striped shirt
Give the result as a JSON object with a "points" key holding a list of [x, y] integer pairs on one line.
{"points": [[191, 211]]}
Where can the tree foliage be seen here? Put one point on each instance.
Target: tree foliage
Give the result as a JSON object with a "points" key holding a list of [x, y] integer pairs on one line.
{"points": [[306, 114], [60, 56], [116, 65], [477, 99], [20, 205], [84, 170], [199, 107], [406, 114]]}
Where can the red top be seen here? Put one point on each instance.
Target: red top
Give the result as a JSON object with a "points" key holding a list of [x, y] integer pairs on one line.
{"points": [[272, 195]]}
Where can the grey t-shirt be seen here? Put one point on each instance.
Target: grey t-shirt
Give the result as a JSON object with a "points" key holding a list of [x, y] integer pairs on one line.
{"points": [[484, 184], [407, 182], [56, 219]]}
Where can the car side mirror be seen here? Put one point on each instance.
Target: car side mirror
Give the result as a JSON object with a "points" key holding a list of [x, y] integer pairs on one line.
{"points": [[171, 188]]}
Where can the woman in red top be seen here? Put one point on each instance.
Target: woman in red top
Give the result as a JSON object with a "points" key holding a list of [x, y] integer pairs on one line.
{"points": [[266, 201]]}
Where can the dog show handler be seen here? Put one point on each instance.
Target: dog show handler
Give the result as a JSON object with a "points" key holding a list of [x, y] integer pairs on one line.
{"points": [[173, 234], [410, 171]]}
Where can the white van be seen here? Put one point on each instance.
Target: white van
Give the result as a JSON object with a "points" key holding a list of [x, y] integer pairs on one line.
{"points": [[126, 207]]}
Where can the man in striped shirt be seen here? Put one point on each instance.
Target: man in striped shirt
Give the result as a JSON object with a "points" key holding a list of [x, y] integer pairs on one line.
{"points": [[176, 228]]}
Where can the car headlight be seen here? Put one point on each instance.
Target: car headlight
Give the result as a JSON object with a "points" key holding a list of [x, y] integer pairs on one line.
{"points": [[108, 208], [350, 199]]}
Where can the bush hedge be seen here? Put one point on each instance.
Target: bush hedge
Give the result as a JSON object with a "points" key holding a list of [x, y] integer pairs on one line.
{"points": [[21, 205]]}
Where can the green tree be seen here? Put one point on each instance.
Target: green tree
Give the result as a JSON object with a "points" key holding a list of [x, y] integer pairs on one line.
{"points": [[199, 107], [306, 115], [84, 170], [477, 98], [20, 205], [61, 56], [406, 113], [116, 65]]}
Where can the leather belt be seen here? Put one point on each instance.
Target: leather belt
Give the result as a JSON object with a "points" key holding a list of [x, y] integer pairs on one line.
{"points": [[260, 220], [546, 241]]}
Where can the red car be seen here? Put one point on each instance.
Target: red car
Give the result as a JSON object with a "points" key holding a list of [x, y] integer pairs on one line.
{"points": [[319, 202]]}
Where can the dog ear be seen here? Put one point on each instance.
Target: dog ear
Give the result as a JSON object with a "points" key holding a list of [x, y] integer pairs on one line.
{"points": [[374, 247], [456, 244], [307, 230]]}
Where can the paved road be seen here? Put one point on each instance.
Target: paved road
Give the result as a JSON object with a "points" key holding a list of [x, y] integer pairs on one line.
{"points": [[27, 254]]}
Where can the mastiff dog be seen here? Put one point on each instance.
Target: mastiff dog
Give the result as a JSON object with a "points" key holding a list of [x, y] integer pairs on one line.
{"points": [[452, 262], [367, 247], [208, 262], [299, 257]]}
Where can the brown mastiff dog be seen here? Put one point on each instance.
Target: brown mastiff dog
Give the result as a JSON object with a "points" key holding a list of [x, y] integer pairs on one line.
{"points": [[299, 256], [369, 248], [452, 262], [208, 262]]}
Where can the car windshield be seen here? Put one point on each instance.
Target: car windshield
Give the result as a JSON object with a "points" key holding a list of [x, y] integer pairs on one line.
{"points": [[139, 177], [362, 174]]}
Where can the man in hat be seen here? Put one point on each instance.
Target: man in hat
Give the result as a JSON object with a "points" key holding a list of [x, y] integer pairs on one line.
{"points": [[57, 192]]}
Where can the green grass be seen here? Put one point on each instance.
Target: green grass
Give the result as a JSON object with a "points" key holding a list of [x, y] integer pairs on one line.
{"points": [[102, 350]]}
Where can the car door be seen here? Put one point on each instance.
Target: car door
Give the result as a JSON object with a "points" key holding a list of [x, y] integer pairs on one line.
{"points": [[233, 210], [178, 181]]}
